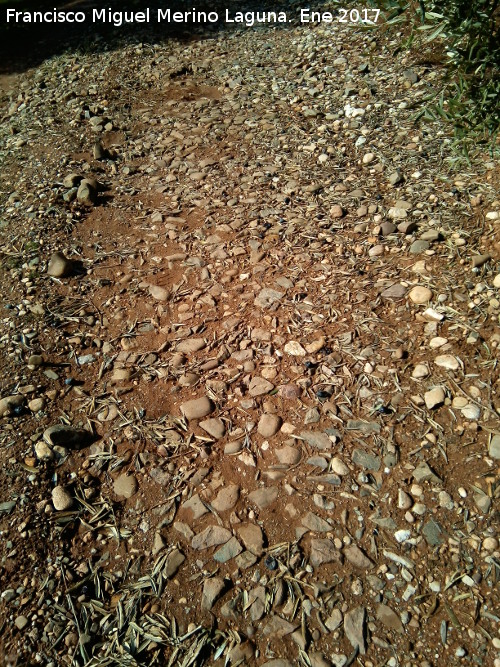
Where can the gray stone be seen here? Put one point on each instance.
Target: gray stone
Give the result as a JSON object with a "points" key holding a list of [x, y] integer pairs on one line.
{"points": [[252, 537], [229, 550], [288, 455], [323, 551], [419, 246], [125, 485], [263, 497], [494, 447], [87, 192], [174, 560], [433, 533], [267, 297], [212, 536], [197, 408], [355, 628], [214, 427], [226, 498], [195, 506], [396, 178], [259, 386], [335, 620], [358, 558], [366, 460], [366, 428], [396, 291], [315, 523], [212, 590], [389, 618], [424, 473], [407, 227], [317, 439], [191, 345], [158, 293]]}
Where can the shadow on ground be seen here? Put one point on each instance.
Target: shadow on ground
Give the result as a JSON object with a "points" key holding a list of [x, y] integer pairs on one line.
{"points": [[26, 45]]}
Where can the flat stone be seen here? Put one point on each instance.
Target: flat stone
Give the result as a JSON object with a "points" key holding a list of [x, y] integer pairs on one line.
{"points": [[396, 177], [288, 455], [419, 246], [336, 211], [420, 371], [263, 497], [86, 193], [61, 499], [259, 386], [407, 227], [434, 397], [158, 544], [289, 391], [226, 498], [294, 349], [174, 560], [433, 533], [278, 662], [158, 293], [323, 551], [214, 427], [431, 235], [389, 618], [358, 558], [195, 506], [233, 447], [43, 452], [424, 473], [494, 447], [269, 424], [317, 439], [366, 460], [335, 619], [212, 590], [339, 467], [278, 627], [21, 622], [228, 551], [387, 228], [267, 297], [447, 361], [396, 291], [315, 523], [252, 537], [355, 628], [241, 654], [212, 536], [420, 295], [197, 408], [191, 345], [59, 266], [366, 428], [317, 659], [471, 411], [125, 485]]}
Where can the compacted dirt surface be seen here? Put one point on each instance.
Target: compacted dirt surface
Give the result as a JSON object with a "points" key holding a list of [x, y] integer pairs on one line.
{"points": [[249, 348]]}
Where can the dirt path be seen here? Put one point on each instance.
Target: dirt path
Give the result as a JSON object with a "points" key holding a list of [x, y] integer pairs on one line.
{"points": [[260, 306]]}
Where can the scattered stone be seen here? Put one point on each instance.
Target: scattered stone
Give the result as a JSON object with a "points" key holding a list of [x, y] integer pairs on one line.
{"points": [[419, 246], [323, 551], [87, 193], [61, 499], [214, 427], [61, 435], [358, 558], [335, 620], [252, 537], [212, 536], [420, 371], [336, 211], [479, 260], [355, 628], [212, 591], [396, 291], [294, 349], [263, 497], [226, 498], [259, 386], [195, 506], [389, 618], [197, 408], [447, 361], [268, 297], [191, 345], [315, 523], [396, 178], [434, 398], [158, 293], [420, 295], [60, 266], [366, 460], [433, 533], [125, 485], [269, 425], [21, 622], [288, 455], [494, 447], [317, 440]]}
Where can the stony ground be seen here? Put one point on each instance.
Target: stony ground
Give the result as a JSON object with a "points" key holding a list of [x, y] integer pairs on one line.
{"points": [[249, 342]]}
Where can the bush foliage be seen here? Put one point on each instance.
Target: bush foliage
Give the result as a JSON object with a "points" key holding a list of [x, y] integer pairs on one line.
{"points": [[468, 34]]}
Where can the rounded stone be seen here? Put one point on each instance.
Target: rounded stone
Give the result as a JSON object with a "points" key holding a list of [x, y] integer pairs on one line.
{"points": [[420, 294], [269, 425], [197, 408], [125, 486], [59, 266], [61, 499]]}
